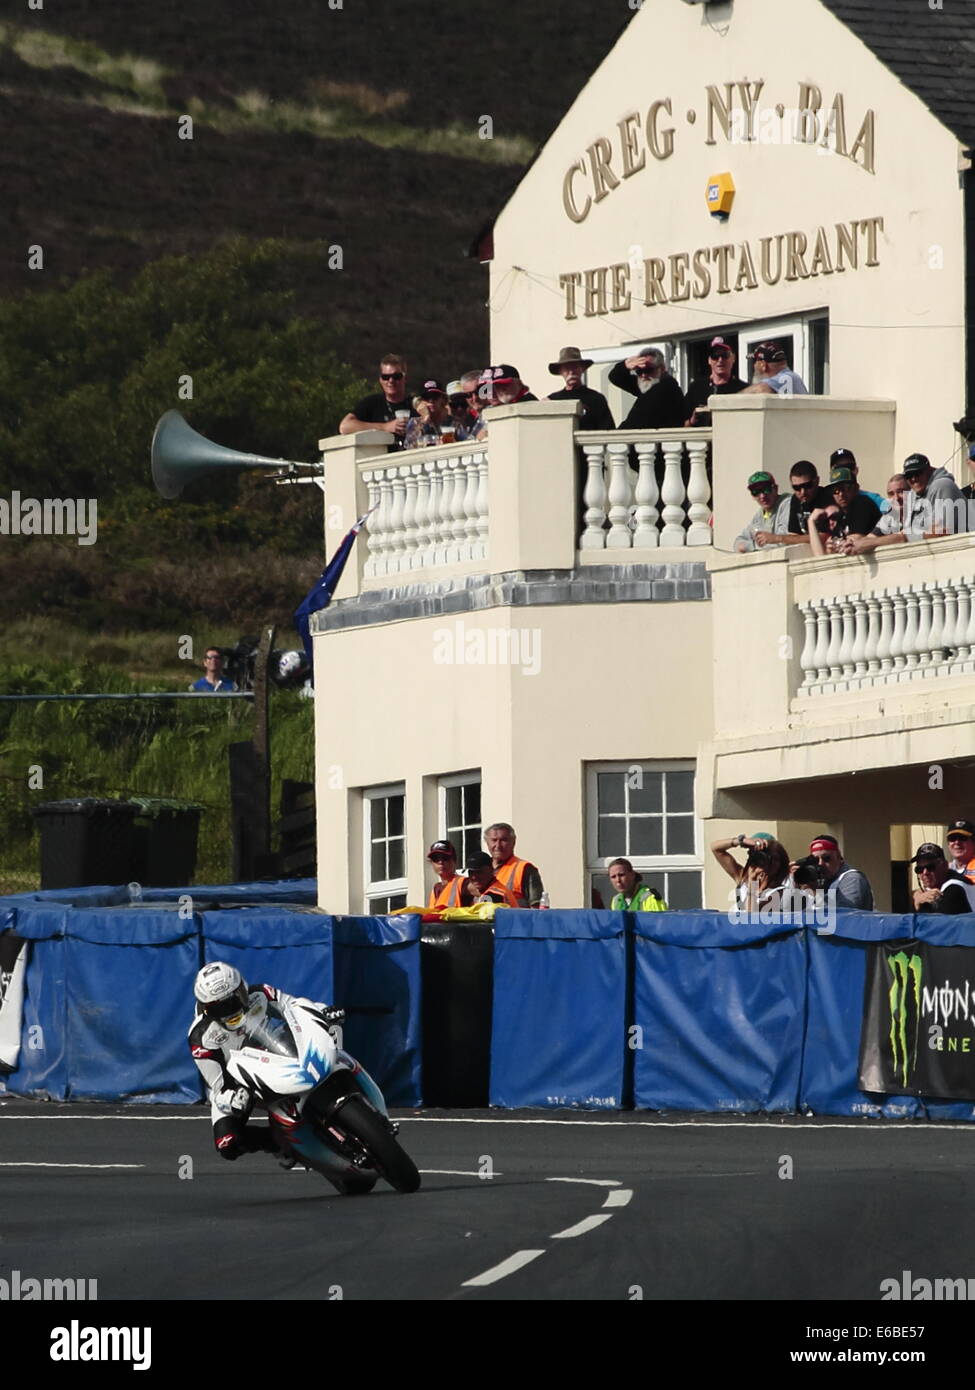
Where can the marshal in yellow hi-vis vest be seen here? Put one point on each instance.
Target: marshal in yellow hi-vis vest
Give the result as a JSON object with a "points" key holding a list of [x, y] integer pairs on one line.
{"points": [[643, 900]]}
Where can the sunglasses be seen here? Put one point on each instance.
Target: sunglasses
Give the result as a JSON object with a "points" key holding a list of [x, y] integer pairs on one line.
{"points": [[760, 491], [717, 356], [804, 487], [390, 376], [439, 858], [923, 868]]}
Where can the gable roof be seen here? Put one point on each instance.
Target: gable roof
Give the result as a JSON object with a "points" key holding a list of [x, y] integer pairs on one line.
{"points": [[932, 51]]}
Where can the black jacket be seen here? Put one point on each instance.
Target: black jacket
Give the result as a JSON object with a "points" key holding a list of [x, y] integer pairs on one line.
{"points": [[661, 408]]}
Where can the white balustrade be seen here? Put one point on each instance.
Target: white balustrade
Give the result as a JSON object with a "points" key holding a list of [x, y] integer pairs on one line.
{"points": [[430, 512], [621, 511], [888, 636]]}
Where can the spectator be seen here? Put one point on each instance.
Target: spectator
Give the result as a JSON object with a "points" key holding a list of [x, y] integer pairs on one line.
{"points": [[845, 458], [791, 520], [383, 410], [849, 514], [931, 504], [212, 681], [968, 492], [449, 888], [482, 886], [961, 847], [518, 875], [432, 412], [771, 376], [942, 889], [660, 401], [889, 530], [852, 887], [500, 386], [632, 894], [571, 367], [721, 380], [762, 879], [765, 490], [460, 413]]}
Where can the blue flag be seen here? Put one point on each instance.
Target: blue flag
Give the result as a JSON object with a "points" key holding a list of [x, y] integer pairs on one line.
{"points": [[320, 595]]}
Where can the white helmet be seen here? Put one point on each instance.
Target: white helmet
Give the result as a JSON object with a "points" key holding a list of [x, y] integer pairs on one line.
{"points": [[222, 994], [289, 663]]}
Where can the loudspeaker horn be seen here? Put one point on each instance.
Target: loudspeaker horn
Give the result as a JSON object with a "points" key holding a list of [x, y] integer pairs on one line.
{"points": [[180, 455]]}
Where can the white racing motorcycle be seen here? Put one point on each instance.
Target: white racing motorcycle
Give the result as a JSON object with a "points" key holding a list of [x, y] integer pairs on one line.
{"points": [[325, 1109]]}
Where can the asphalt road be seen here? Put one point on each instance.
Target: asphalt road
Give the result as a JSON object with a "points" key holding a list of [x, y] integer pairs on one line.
{"points": [[520, 1206]]}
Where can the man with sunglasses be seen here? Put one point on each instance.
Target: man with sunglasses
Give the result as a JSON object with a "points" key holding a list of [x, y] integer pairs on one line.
{"points": [[389, 409], [849, 515], [659, 401], [791, 523], [961, 848], [942, 889], [721, 380], [765, 490], [449, 888], [852, 887]]}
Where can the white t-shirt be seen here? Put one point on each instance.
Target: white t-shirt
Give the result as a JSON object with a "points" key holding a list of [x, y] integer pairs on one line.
{"points": [[786, 383]]}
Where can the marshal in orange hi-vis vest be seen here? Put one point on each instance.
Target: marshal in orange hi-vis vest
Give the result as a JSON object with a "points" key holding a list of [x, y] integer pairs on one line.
{"points": [[446, 894], [510, 876]]}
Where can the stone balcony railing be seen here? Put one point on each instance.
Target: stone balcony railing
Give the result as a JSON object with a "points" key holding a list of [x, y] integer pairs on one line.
{"points": [[671, 468], [431, 509]]}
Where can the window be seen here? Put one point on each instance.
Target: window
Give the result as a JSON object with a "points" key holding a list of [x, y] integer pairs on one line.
{"points": [[644, 812], [460, 813], [384, 840]]}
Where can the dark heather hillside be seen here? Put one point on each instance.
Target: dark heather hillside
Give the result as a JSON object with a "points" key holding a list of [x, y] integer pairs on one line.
{"points": [[355, 126]]}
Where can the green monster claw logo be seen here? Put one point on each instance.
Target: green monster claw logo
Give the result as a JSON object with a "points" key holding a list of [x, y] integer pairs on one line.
{"points": [[906, 976]]}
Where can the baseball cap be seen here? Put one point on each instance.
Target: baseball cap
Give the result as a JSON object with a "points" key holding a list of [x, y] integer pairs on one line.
{"points": [[757, 478], [928, 851], [842, 457], [841, 475], [505, 373], [718, 343], [441, 847], [915, 463], [960, 827], [478, 860], [823, 843], [431, 388], [762, 835], [767, 352]]}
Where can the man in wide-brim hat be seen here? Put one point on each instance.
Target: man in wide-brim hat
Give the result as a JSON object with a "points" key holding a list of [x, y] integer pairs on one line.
{"points": [[571, 366]]}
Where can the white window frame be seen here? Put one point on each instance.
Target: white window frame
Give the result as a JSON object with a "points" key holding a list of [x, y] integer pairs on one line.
{"points": [[471, 778], [751, 334], [385, 887], [646, 864]]}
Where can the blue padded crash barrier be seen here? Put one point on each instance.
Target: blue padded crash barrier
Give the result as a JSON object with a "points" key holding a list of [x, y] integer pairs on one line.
{"points": [[718, 1011], [559, 1005], [129, 992], [291, 950], [42, 1067], [377, 980]]}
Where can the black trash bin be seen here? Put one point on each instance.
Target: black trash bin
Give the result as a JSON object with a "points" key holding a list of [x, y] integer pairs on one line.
{"points": [[166, 834], [457, 976], [86, 841]]}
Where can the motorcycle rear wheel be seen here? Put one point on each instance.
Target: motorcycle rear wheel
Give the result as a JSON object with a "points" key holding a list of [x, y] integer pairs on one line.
{"points": [[370, 1128]]}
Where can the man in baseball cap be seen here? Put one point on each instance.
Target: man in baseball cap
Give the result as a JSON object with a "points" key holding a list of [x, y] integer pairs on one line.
{"points": [[721, 380], [448, 890], [931, 504], [508, 386], [764, 489], [850, 514], [771, 375], [571, 366], [851, 886], [961, 848], [941, 890], [482, 886]]}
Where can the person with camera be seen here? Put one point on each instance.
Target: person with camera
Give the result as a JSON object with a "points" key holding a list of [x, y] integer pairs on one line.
{"points": [[825, 869], [762, 880], [942, 888]]}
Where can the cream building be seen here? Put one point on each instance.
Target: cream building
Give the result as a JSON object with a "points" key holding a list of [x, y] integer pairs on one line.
{"points": [[553, 629]]}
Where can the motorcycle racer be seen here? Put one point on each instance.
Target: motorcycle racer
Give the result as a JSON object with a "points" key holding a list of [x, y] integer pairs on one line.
{"points": [[228, 1013]]}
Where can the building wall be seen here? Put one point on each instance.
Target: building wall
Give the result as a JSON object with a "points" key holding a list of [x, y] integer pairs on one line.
{"points": [[627, 681], [896, 327]]}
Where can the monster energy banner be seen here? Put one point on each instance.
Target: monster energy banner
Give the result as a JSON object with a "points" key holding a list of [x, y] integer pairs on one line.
{"points": [[918, 1035], [13, 964]]}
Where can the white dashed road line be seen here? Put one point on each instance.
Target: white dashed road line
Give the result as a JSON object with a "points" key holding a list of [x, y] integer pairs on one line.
{"points": [[590, 1182], [508, 1266], [589, 1223], [458, 1173], [71, 1165], [620, 1198]]}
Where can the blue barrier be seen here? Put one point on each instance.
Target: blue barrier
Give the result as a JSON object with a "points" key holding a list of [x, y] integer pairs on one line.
{"points": [[719, 1014], [291, 950], [129, 980], [559, 1001], [377, 980], [42, 1068]]}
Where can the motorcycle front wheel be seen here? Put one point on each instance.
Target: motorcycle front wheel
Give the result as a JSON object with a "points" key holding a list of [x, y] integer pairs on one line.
{"points": [[371, 1130]]}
